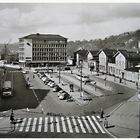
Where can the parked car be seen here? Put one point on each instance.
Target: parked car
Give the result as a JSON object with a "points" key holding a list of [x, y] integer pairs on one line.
{"points": [[43, 79], [56, 89], [60, 92], [50, 82], [52, 85], [63, 96], [47, 81]]}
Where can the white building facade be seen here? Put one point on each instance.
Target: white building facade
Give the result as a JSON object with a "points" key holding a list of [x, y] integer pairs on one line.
{"points": [[103, 60], [42, 49], [121, 65]]}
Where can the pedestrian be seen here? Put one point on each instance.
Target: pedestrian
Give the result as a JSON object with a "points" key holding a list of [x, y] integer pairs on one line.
{"points": [[12, 116], [33, 76], [102, 113], [105, 123], [137, 85], [12, 119]]}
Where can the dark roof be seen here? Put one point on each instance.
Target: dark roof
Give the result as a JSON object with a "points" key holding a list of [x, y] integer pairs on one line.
{"points": [[94, 53], [133, 69], [82, 52], [108, 52], [43, 36], [132, 56]]}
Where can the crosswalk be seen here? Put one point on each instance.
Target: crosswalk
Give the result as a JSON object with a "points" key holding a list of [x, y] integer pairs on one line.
{"points": [[61, 124]]}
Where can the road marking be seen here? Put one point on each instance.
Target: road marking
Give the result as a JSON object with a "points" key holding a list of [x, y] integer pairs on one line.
{"points": [[34, 125], [69, 125], [52, 124], [28, 125], [92, 124], [22, 125], [88, 127], [75, 125], [57, 124], [42, 110], [81, 125], [16, 126], [99, 126], [98, 116], [63, 125], [46, 125], [40, 124]]}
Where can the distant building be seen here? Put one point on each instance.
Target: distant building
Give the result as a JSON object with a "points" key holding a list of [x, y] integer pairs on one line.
{"points": [[125, 60], [42, 49], [105, 57], [80, 55], [93, 60]]}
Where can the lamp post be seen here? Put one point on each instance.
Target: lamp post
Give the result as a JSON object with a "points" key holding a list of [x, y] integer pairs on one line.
{"points": [[81, 80], [59, 69]]}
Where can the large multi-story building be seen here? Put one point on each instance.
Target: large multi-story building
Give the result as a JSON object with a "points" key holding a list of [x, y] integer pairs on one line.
{"points": [[42, 49]]}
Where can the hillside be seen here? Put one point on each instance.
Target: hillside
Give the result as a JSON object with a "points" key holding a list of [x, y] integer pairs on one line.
{"points": [[127, 40]]}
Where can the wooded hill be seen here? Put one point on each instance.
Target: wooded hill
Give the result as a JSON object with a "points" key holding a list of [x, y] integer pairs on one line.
{"points": [[127, 40]]}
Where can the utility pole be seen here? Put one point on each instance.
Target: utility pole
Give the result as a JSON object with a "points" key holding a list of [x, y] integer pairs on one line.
{"points": [[59, 69], [81, 81]]}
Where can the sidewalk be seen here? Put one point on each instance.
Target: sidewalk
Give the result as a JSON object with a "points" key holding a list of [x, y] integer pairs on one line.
{"points": [[76, 94], [109, 78], [124, 120]]}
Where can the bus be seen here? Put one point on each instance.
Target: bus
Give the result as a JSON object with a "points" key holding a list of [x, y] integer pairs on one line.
{"points": [[7, 89], [84, 77]]}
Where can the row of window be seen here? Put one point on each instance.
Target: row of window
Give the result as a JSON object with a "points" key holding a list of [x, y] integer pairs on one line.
{"points": [[49, 45], [48, 49], [49, 54], [49, 59], [48, 41]]}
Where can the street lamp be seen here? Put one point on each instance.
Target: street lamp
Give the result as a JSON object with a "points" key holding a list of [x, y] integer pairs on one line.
{"points": [[81, 79], [59, 69]]}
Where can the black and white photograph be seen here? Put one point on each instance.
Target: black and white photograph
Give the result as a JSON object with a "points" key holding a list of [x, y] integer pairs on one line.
{"points": [[69, 69]]}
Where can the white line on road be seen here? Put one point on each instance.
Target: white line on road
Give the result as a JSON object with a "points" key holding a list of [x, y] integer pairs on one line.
{"points": [[46, 125], [22, 125], [34, 125], [40, 124], [88, 127], [69, 125], [52, 124], [75, 125], [98, 124], [82, 127], [92, 124], [28, 125], [57, 124], [42, 110], [63, 125]]}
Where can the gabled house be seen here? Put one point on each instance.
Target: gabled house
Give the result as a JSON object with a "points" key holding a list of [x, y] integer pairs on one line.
{"points": [[125, 60], [80, 55], [93, 60], [105, 57]]}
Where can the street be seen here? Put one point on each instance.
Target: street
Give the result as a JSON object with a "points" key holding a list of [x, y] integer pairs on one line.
{"points": [[42, 111]]}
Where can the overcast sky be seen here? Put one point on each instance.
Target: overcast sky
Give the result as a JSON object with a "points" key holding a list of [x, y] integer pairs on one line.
{"points": [[75, 21]]}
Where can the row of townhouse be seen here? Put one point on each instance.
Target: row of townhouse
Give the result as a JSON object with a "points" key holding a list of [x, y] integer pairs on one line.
{"points": [[119, 63]]}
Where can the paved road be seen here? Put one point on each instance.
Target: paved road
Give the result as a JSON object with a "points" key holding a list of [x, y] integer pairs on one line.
{"points": [[74, 125]]}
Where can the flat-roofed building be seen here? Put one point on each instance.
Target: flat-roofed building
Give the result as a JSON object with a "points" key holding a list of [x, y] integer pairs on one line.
{"points": [[42, 49]]}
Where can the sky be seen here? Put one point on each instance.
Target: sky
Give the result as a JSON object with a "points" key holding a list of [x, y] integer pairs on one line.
{"points": [[75, 21]]}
